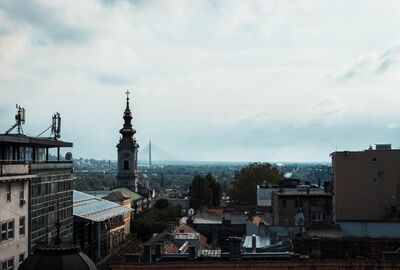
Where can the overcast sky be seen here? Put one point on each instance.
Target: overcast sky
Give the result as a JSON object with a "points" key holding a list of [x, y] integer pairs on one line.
{"points": [[211, 80]]}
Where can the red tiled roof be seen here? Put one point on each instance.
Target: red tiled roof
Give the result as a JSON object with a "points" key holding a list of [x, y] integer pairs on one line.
{"points": [[261, 265], [220, 212], [170, 247], [257, 220]]}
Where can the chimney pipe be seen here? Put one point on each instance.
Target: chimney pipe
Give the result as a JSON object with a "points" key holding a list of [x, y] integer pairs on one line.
{"points": [[253, 243], [192, 252], [147, 254]]}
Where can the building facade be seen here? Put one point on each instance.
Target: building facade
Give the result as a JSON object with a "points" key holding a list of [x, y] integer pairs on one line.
{"points": [[14, 191], [49, 185], [367, 191], [99, 225], [300, 208]]}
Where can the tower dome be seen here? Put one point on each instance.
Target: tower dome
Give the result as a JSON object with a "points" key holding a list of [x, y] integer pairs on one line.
{"points": [[65, 257]]}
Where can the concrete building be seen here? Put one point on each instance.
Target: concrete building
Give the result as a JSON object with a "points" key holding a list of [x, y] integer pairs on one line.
{"points": [[100, 226], [14, 191], [49, 185], [301, 207], [367, 191], [264, 194]]}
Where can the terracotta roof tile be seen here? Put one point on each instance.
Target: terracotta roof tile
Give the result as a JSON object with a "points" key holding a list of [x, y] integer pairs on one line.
{"points": [[171, 248]]}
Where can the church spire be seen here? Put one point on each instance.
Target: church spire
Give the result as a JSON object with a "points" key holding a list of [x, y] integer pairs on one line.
{"points": [[127, 175], [127, 131]]}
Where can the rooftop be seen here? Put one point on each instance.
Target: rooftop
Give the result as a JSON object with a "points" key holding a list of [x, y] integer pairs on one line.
{"points": [[96, 209], [38, 141], [303, 193]]}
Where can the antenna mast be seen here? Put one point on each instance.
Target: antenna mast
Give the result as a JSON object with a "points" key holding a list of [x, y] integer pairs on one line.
{"points": [[19, 120], [55, 127]]}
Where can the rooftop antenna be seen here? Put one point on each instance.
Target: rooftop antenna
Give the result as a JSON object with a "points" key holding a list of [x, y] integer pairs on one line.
{"points": [[19, 120], [55, 127]]}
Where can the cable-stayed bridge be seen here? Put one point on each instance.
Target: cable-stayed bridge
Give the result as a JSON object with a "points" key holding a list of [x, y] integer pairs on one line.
{"points": [[152, 153]]}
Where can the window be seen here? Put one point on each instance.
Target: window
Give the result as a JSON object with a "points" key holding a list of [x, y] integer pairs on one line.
{"points": [[7, 264], [10, 230], [9, 192], [7, 230], [22, 226], [21, 195], [21, 257], [126, 165], [317, 216]]}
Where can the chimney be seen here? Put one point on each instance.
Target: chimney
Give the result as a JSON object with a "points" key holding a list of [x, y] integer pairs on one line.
{"points": [[147, 254], [327, 186], [189, 221], [253, 243], [192, 253], [159, 247], [234, 246]]}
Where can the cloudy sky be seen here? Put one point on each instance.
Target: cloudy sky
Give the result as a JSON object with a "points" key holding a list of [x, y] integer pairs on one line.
{"points": [[211, 80]]}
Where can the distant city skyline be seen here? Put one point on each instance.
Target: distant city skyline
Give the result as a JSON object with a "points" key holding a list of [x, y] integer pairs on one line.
{"points": [[210, 80]]}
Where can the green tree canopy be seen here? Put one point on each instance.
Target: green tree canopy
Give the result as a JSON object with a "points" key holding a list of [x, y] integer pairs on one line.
{"points": [[244, 186], [161, 204], [204, 191], [156, 219]]}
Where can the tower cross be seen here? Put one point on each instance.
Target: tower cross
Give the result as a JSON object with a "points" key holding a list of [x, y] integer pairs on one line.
{"points": [[127, 94]]}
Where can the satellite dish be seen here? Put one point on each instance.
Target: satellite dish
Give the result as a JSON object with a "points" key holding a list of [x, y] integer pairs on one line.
{"points": [[191, 212], [68, 156]]}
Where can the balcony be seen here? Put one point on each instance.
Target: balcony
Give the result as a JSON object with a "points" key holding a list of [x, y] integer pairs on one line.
{"points": [[14, 168], [21, 167]]}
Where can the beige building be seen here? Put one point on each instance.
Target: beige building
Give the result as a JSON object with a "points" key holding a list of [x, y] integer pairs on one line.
{"points": [[367, 191], [14, 187]]}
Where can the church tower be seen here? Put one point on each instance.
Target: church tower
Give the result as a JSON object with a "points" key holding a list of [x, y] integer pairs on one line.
{"points": [[127, 175]]}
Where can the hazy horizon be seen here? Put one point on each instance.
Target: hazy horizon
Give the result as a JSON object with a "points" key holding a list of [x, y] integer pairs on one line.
{"points": [[210, 80]]}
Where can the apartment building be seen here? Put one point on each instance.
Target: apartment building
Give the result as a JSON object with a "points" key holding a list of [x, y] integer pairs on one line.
{"points": [[367, 191], [47, 186]]}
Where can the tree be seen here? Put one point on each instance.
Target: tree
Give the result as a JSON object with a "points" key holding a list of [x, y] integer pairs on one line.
{"points": [[244, 187], [156, 219], [161, 204], [204, 191]]}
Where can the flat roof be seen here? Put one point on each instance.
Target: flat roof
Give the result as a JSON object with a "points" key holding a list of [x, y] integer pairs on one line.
{"points": [[303, 193], [39, 141]]}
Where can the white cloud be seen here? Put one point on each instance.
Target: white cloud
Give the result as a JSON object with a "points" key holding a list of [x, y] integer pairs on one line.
{"points": [[371, 63], [205, 74]]}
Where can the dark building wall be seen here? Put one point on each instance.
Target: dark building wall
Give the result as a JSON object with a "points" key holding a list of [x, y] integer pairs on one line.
{"points": [[346, 248], [91, 237], [314, 208]]}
